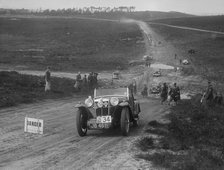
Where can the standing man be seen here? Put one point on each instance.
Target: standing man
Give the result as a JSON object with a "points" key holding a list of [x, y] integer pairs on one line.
{"points": [[134, 87], [209, 93], [78, 77], [84, 84], [164, 93], [47, 77], [145, 91], [78, 81], [90, 81]]}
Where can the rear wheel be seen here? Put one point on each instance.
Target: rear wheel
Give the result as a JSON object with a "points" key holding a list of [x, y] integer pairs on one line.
{"points": [[125, 121], [81, 123]]}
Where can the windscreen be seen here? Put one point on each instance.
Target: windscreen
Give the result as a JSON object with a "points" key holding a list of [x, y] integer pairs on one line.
{"points": [[111, 92]]}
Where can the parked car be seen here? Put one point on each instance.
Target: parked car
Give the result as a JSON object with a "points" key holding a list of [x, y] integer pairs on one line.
{"points": [[116, 75], [156, 89], [107, 109], [185, 62], [157, 74]]}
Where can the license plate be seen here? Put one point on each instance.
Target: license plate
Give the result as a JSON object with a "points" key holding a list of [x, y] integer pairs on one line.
{"points": [[103, 119]]}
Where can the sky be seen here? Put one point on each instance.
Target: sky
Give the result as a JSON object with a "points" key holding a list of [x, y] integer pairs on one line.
{"points": [[199, 7]]}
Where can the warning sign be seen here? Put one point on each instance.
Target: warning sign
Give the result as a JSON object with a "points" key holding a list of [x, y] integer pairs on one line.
{"points": [[33, 125]]}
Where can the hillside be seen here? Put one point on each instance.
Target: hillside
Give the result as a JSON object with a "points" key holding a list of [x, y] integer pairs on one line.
{"points": [[214, 23], [143, 15]]}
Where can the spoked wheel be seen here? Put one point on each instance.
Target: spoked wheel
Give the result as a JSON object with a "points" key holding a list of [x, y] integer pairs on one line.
{"points": [[125, 121], [81, 123]]}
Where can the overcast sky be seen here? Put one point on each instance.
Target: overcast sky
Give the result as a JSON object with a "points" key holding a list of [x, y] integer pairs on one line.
{"points": [[200, 7]]}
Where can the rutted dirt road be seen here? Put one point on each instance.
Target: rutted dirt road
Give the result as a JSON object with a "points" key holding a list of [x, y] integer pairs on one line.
{"points": [[60, 147]]}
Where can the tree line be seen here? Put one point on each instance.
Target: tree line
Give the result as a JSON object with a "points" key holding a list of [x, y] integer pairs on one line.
{"points": [[68, 11]]}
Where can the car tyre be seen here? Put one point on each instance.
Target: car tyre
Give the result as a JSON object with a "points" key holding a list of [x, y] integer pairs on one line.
{"points": [[125, 121], [81, 123]]}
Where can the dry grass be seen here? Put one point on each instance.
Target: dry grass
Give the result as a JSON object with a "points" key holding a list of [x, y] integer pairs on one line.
{"points": [[194, 131], [16, 88], [68, 44]]}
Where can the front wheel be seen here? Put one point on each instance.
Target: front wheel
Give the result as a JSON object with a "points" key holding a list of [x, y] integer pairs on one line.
{"points": [[81, 123], [125, 121]]}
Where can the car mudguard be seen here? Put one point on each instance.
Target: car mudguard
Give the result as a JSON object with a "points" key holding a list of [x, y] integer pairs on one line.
{"points": [[122, 104], [84, 110]]}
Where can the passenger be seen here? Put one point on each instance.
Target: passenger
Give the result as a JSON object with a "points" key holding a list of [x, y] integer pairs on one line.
{"points": [[47, 78], [164, 93]]}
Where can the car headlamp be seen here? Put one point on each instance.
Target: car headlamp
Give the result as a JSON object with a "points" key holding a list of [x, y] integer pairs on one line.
{"points": [[89, 102], [100, 103], [114, 101]]}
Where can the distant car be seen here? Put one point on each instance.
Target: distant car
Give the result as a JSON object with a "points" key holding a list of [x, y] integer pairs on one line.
{"points": [[155, 89], [147, 58], [185, 62], [157, 74], [109, 108], [116, 75]]}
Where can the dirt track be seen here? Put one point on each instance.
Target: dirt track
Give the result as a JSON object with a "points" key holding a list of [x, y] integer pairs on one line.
{"points": [[60, 147]]}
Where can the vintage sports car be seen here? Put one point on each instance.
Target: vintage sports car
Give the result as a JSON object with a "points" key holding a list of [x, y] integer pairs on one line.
{"points": [[157, 74], [109, 108], [185, 62]]}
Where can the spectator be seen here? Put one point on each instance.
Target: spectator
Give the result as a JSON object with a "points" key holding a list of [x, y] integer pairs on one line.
{"points": [[84, 84], [209, 96], [145, 91], [47, 78], [134, 87], [90, 81], [174, 93], [164, 93], [78, 81]]}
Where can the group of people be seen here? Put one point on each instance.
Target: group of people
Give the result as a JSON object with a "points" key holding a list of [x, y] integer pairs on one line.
{"points": [[89, 83], [211, 97], [86, 84], [173, 92]]}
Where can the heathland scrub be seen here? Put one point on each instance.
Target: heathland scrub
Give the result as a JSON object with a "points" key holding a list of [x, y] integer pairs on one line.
{"points": [[191, 137]]}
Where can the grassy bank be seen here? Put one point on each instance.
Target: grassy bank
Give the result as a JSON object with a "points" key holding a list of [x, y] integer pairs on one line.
{"points": [[68, 44], [192, 140], [16, 88]]}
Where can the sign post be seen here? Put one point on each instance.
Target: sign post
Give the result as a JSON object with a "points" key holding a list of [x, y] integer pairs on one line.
{"points": [[33, 125]]}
